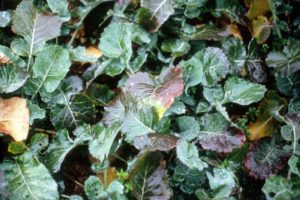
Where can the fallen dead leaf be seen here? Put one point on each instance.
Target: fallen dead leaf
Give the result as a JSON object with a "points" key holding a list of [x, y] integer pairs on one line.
{"points": [[111, 175], [4, 59], [14, 118], [93, 52]]}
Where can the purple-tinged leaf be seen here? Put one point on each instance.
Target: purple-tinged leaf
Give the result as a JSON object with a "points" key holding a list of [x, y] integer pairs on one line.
{"points": [[159, 91], [264, 158]]}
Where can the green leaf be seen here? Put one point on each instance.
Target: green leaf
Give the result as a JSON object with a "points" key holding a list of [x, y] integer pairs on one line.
{"points": [[176, 47], [74, 113], [61, 145], [79, 54], [188, 180], [115, 43], [27, 178], [60, 7], [230, 8], [189, 128], [279, 188], [67, 88], [149, 177], [35, 112], [38, 143], [207, 67], [176, 108], [235, 52], [213, 94], [243, 92], [95, 190], [155, 142], [104, 137], [154, 13], [289, 85], [222, 182], [17, 147], [12, 57], [188, 154], [50, 67], [12, 78], [215, 134], [5, 18], [287, 61], [30, 24], [293, 121], [294, 165]]}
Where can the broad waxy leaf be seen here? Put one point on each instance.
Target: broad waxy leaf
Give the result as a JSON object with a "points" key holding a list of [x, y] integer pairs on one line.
{"points": [[270, 108], [14, 118], [289, 85], [154, 142], [73, 113], [243, 92], [188, 154], [293, 122], [50, 67], [104, 137], [265, 158], [94, 189], [230, 8], [235, 52], [207, 67], [12, 78], [36, 28], [60, 7], [27, 178], [157, 91], [60, 146], [217, 136], [35, 112], [7, 57], [286, 62], [222, 181], [188, 180], [188, 126], [149, 177], [294, 165], [157, 12], [279, 188], [175, 47]]}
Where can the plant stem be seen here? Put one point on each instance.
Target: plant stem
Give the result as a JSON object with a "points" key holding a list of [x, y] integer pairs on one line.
{"points": [[43, 130]]}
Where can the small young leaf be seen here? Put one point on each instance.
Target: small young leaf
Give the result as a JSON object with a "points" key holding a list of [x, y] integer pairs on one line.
{"points": [[188, 126], [279, 188]]}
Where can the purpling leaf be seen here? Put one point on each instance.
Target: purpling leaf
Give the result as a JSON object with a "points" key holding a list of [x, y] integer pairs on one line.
{"points": [[265, 158], [36, 28], [155, 13], [12, 78], [207, 67], [27, 178], [14, 118], [286, 62], [188, 154], [50, 67], [243, 92], [156, 91], [149, 177], [266, 124], [217, 136]]}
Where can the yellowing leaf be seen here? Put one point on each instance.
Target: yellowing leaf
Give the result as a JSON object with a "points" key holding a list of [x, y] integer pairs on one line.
{"points": [[14, 118], [261, 29], [4, 59], [234, 30], [257, 8], [269, 110], [111, 175], [93, 52]]}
